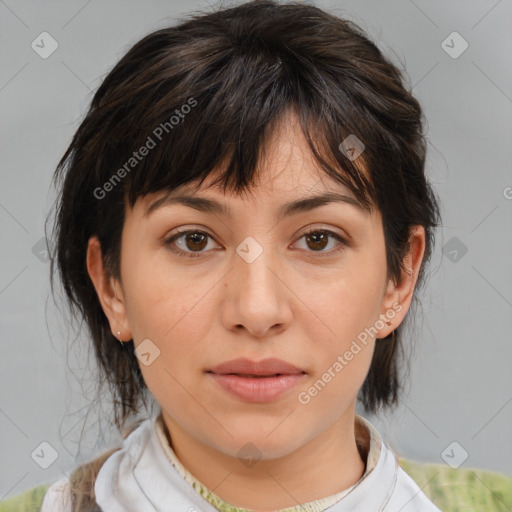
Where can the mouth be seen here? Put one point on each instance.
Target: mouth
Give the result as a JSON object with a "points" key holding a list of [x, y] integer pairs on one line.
{"points": [[252, 376], [256, 382], [270, 367]]}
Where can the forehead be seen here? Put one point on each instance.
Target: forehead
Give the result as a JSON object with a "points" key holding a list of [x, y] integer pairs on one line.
{"points": [[282, 192]]}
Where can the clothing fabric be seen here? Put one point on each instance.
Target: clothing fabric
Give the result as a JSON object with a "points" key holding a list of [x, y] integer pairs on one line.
{"points": [[368, 442], [145, 475]]}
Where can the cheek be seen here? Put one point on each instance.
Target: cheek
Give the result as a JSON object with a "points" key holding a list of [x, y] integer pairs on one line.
{"points": [[169, 311], [342, 357], [176, 318], [346, 301], [169, 308], [348, 305]]}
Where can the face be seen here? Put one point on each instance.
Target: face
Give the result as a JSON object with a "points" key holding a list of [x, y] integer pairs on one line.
{"points": [[308, 287]]}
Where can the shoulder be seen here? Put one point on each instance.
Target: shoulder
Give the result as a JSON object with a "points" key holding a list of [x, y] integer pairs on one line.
{"points": [[57, 497], [30, 500], [462, 488]]}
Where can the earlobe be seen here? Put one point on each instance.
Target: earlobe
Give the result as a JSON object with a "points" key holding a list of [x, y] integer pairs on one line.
{"points": [[399, 296], [112, 301]]}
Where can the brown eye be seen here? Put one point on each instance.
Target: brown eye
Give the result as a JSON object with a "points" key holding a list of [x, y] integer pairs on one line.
{"points": [[196, 241], [318, 239], [192, 243]]}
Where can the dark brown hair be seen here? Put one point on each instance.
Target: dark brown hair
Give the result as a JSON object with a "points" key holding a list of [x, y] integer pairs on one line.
{"points": [[206, 95]]}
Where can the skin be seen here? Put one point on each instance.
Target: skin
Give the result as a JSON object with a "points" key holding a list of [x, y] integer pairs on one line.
{"points": [[291, 303]]}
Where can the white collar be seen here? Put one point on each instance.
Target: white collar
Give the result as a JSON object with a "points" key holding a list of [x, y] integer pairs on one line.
{"points": [[367, 437], [140, 477]]}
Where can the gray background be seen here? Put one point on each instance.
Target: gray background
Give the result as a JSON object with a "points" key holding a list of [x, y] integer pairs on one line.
{"points": [[461, 385]]}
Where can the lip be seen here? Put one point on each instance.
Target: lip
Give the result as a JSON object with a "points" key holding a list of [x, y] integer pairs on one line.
{"points": [[268, 367], [271, 378]]}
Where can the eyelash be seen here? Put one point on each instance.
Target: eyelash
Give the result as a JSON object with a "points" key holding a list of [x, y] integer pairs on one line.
{"points": [[169, 242]]}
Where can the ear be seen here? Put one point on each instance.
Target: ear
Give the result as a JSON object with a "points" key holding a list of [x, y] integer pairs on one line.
{"points": [[109, 292], [398, 297]]}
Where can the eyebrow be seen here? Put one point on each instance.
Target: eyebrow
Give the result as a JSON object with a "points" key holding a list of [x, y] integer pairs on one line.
{"points": [[204, 204]]}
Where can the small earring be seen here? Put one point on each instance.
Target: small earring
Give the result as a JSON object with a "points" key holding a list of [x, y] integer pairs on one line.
{"points": [[119, 337]]}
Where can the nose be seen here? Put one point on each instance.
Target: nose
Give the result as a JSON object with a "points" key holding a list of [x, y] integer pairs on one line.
{"points": [[257, 293]]}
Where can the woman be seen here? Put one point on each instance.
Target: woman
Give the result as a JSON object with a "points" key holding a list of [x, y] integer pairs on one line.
{"points": [[243, 223]]}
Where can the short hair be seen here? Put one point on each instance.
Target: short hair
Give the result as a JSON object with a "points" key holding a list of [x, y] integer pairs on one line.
{"points": [[206, 95]]}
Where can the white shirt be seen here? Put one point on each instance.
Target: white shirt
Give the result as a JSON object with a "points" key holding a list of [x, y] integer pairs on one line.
{"points": [[146, 476]]}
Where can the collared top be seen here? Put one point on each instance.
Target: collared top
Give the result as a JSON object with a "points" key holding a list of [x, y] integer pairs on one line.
{"points": [[145, 475]]}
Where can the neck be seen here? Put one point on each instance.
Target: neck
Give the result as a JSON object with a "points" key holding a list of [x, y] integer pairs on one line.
{"points": [[331, 461]]}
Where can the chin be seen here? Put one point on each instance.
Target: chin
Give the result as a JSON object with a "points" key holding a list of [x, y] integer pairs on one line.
{"points": [[264, 442]]}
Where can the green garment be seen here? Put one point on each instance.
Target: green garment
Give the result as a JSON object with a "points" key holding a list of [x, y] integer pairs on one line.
{"points": [[451, 490], [462, 489], [28, 501]]}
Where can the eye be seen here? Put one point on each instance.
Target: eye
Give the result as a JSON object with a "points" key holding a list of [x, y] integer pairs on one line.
{"points": [[193, 242], [193, 239], [318, 239]]}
